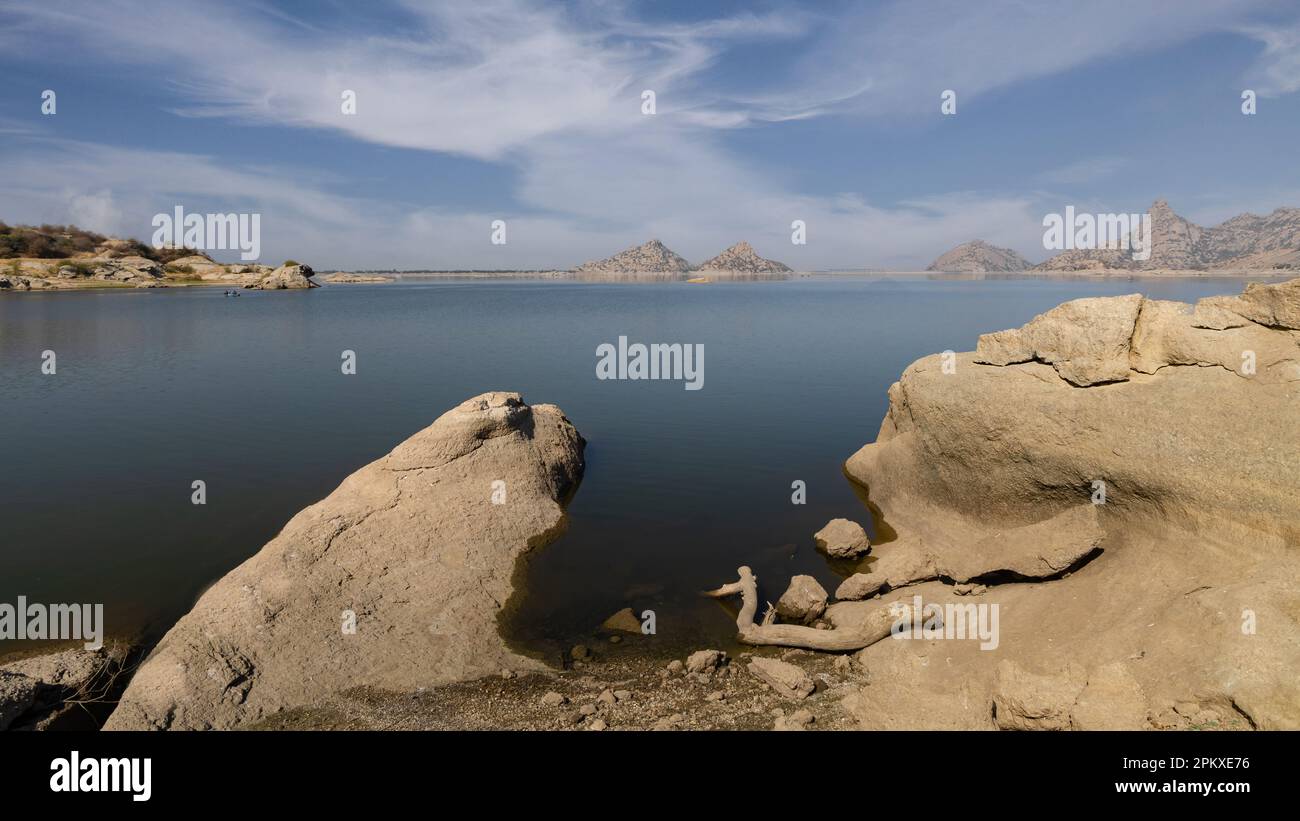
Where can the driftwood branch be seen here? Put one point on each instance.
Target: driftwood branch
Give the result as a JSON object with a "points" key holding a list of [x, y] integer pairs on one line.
{"points": [[872, 629]]}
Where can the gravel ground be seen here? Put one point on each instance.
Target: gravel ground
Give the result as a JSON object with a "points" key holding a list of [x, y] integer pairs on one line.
{"points": [[606, 691]]}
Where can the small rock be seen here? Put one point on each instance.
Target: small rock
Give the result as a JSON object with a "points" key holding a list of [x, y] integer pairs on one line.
{"points": [[624, 621], [842, 539], [587, 709], [675, 666], [857, 586], [615, 639], [597, 725], [607, 697], [803, 601], [579, 652], [553, 699], [507, 674], [798, 720], [669, 722], [716, 695], [784, 678], [704, 661], [622, 695]]}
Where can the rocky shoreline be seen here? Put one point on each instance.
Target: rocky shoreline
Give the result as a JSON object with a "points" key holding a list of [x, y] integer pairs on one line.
{"points": [[141, 272], [1117, 479]]}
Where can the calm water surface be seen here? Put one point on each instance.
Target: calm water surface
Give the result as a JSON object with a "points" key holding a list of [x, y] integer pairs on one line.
{"points": [[158, 388]]}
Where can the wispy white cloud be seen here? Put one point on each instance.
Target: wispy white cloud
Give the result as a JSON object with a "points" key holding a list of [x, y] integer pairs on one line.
{"points": [[1082, 171], [895, 58], [1277, 71], [554, 93], [695, 210]]}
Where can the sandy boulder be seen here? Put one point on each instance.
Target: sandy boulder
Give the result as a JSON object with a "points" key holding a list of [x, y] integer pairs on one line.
{"points": [[1086, 340], [803, 601], [1146, 517], [394, 581], [842, 539], [787, 680]]}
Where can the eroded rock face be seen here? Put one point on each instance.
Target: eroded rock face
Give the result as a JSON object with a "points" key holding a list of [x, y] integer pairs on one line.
{"points": [[411, 546], [1187, 465], [1086, 340], [1035, 551], [1275, 305], [1030, 701]]}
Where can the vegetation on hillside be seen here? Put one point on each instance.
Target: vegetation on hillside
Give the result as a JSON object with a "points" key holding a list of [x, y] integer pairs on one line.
{"points": [[64, 241]]}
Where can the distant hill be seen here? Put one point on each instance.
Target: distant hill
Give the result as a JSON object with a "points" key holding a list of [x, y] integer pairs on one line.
{"points": [[652, 257], [69, 241], [741, 258], [977, 255], [1245, 242]]}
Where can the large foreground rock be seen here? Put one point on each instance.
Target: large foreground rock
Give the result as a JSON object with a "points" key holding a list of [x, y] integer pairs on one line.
{"points": [[1120, 450], [412, 544]]}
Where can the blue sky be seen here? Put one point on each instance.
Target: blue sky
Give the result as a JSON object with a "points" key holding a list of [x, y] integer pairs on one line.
{"points": [[467, 112]]}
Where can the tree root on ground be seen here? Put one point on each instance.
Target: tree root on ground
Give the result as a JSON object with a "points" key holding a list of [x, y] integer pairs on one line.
{"points": [[871, 630]]}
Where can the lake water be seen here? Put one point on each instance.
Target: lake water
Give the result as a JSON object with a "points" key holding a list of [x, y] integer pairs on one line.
{"points": [[155, 389]]}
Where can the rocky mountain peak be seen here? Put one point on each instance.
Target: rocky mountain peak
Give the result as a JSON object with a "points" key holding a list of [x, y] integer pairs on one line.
{"points": [[649, 257], [742, 257], [979, 256]]}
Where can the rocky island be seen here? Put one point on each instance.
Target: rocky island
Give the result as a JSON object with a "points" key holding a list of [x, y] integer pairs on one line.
{"points": [[739, 261], [976, 256], [653, 260]]}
